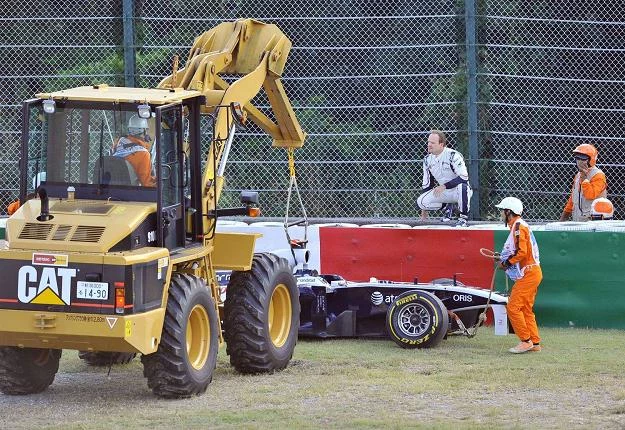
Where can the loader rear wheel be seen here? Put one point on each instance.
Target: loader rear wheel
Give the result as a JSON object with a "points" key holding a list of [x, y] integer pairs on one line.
{"points": [[186, 357], [105, 358], [261, 315], [417, 319], [27, 370]]}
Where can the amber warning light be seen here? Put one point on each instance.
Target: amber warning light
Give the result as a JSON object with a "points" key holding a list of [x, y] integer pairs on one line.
{"points": [[120, 297]]}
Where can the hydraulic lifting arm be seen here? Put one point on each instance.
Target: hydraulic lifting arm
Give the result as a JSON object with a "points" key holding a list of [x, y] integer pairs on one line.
{"points": [[257, 52]]}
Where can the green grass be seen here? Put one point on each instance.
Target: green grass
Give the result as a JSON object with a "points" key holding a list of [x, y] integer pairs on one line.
{"points": [[577, 381]]}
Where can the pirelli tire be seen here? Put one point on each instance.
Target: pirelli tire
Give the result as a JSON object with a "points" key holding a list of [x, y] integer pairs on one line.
{"points": [[261, 315], [417, 319], [105, 358], [186, 357], [27, 370]]}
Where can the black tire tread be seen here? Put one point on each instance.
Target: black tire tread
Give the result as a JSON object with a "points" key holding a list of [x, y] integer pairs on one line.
{"points": [[166, 370], [105, 358], [245, 318], [20, 375]]}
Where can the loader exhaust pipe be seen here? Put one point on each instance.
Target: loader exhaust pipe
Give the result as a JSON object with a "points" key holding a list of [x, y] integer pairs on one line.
{"points": [[45, 205]]}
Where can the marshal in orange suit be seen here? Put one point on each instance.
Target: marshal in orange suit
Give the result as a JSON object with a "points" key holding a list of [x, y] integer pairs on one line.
{"points": [[520, 259]]}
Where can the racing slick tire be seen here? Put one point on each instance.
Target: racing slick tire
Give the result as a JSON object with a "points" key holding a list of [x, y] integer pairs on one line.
{"points": [[417, 319], [27, 370], [261, 315], [105, 358], [186, 357]]}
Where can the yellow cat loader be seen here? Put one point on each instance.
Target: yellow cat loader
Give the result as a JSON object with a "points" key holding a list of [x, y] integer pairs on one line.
{"points": [[113, 251]]}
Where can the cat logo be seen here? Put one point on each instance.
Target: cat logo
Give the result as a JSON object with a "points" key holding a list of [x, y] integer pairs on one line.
{"points": [[51, 287]]}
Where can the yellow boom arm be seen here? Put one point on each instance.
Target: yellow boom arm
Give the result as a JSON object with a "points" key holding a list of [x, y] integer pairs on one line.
{"points": [[255, 51]]}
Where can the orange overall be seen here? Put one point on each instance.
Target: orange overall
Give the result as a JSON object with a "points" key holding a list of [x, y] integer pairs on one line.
{"points": [[521, 301], [139, 158], [583, 192], [13, 207]]}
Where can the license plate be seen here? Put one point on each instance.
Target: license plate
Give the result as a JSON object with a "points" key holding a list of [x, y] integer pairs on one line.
{"points": [[92, 290]]}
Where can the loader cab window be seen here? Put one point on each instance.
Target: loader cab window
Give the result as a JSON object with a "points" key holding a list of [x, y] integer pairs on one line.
{"points": [[171, 179], [97, 149], [33, 167], [103, 150]]}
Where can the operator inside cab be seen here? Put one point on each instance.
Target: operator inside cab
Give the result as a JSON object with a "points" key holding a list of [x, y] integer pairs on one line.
{"points": [[135, 148]]}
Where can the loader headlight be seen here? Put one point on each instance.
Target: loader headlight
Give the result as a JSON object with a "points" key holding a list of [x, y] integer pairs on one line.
{"points": [[49, 106], [144, 111]]}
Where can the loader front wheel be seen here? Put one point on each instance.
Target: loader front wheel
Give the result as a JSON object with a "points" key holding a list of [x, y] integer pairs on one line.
{"points": [[261, 315], [27, 370], [186, 357], [104, 358]]}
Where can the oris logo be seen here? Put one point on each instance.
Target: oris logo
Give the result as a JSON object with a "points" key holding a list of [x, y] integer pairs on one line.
{"points": [[463, 298], [377, 298]]}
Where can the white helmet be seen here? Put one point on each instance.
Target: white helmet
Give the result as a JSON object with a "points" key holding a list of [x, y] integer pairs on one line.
{"points": [[137, 125], [512, 203], [601, 208]]}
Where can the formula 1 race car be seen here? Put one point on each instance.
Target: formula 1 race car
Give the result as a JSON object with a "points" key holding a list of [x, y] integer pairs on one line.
{"points": [[414, 315]]}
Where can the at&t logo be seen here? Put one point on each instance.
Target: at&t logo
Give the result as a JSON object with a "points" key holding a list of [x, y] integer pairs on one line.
{"points": [[377, 298]]}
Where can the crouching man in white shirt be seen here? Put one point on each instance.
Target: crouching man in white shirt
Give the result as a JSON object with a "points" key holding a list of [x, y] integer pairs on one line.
{"points": [[445, 179]]}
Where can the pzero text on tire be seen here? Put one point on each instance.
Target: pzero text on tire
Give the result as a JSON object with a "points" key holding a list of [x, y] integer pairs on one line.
{"points": [[261, 315], [105, 358], [27, 370], [417, 319], [186, 357]]}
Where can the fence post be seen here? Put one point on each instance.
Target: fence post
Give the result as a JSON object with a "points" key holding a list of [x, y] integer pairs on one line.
{"points": [[129, 42], [472, 126]]}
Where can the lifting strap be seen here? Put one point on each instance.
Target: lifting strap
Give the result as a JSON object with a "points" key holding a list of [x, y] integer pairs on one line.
{"points": [[294, 243], [472, 331]]}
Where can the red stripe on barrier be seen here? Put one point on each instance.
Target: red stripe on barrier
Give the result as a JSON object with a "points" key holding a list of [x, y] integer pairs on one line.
{"points": [[405, 254]]}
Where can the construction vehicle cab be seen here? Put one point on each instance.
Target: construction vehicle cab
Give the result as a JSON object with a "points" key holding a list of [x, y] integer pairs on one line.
{"points": [[113, 251], [81, 141]]}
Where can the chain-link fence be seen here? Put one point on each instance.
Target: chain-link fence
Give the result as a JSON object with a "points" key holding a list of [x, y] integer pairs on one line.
{"points": [[46, 46], [551, 77], [368, 80]]}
